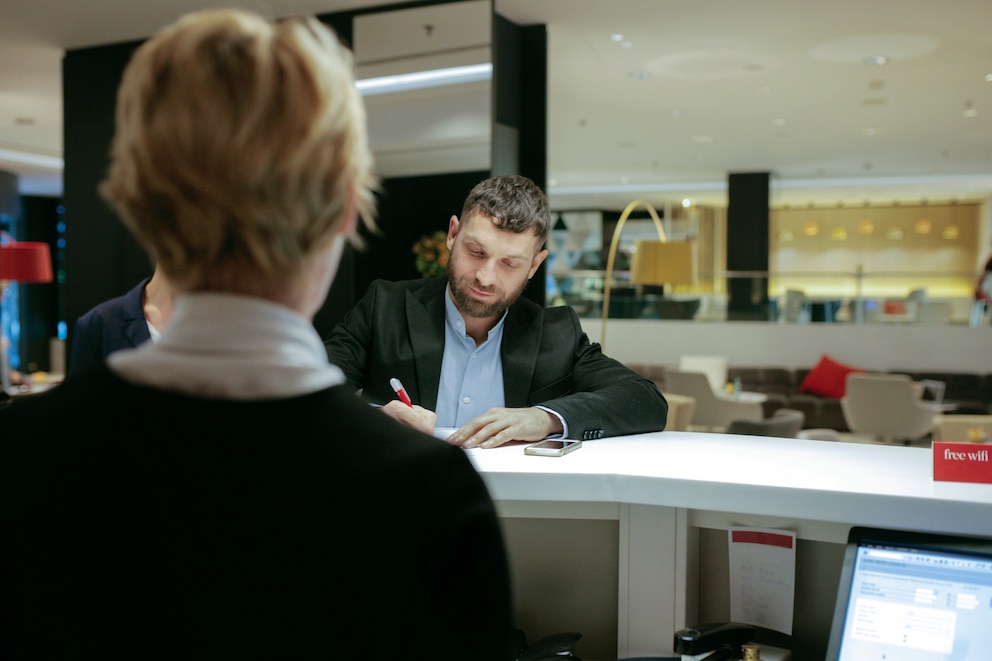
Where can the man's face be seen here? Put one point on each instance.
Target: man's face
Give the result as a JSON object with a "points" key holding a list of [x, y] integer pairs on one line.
{"points": [[489, 268]]}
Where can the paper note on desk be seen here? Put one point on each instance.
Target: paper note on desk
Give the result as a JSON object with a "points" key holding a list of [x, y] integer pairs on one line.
{"points": [[762, 577]]}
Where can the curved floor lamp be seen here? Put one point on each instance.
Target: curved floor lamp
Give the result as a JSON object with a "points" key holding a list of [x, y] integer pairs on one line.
{"points": [[653, 263]]}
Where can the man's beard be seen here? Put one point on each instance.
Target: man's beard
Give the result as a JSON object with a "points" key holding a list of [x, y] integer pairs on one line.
{"points": [[473, 307]]}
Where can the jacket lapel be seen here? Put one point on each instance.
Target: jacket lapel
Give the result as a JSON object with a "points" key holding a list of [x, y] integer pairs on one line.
{"points": [[425, 328], [519, 352]]}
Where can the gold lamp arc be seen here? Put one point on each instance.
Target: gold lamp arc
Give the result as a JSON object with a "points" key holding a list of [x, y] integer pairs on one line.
{"points": [[653, 263]]}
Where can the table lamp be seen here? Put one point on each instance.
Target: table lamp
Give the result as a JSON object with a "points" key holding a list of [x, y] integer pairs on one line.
{"points": [[20, 261], [659, 262]]}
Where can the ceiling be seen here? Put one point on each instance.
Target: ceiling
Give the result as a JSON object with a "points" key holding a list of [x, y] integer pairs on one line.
{"points": [[691, 91]]}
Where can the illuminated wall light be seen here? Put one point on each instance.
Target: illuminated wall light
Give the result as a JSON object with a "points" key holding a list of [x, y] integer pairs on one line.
{"points": [[950, 232], [866, 227], [786, 237], [838, 234], [686, 203], [425, 79], [894, 234], [811, 229], [922, 226]]}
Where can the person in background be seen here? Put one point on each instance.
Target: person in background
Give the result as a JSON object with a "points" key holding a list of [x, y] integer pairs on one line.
{"points": [[123, 322], [220, 494], [983, 287], [473, 355]]}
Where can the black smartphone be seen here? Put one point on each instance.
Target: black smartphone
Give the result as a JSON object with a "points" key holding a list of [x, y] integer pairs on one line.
{"points": [[554, 448]]}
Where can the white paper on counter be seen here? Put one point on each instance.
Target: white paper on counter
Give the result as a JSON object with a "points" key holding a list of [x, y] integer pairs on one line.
{"points": [[762, 577]]}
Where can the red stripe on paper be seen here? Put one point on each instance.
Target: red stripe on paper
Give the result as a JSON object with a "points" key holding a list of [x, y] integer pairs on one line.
{"points": [[766, 538]]}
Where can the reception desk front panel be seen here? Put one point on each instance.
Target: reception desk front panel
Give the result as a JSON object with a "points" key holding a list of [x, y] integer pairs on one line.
{"points": [[662, 488]]}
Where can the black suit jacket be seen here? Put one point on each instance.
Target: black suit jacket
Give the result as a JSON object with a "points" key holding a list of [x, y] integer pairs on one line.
{"points": [[397, 330], [298, 528], [118, 323]]}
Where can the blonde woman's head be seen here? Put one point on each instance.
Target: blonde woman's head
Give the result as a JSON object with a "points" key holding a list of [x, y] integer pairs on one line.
{"points": [[240, 149]]}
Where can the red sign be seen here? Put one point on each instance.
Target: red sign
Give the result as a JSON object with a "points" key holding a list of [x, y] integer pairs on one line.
{"points": [[962, 462]]}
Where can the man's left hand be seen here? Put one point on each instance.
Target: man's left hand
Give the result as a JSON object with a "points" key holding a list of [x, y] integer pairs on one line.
{"points": [[499, 425]]}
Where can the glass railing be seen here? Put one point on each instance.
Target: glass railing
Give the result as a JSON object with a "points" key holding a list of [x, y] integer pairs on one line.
{"points": [[858, 297]]}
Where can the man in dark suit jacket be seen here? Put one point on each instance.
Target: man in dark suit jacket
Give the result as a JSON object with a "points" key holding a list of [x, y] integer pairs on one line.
{"points": [[123, 322], [554, 380]]}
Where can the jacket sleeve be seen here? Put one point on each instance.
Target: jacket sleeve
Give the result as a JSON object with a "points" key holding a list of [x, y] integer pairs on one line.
{"points": [[349, 343], [602, 397]]}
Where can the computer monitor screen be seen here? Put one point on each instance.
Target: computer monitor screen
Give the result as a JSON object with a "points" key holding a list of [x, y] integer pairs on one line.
{"points": [[913, 596]]}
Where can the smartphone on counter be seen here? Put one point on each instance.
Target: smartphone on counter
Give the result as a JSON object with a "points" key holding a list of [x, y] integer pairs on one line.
{"points": [[555, 448]]}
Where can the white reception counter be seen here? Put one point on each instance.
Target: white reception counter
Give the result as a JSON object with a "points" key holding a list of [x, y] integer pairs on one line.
{"points": [[662, 487]]}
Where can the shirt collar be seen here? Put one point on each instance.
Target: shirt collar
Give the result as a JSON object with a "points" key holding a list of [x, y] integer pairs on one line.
{"points": [[234, 347]]}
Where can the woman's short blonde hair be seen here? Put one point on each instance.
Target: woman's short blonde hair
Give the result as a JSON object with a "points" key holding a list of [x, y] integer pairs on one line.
{"points": [[238, 144]]}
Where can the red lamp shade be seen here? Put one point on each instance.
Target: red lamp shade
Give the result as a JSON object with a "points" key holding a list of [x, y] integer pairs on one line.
{"points": [[25, 261]]}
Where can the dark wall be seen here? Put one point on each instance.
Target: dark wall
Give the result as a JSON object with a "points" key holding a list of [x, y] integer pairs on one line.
{"points": [[102, 260], [410, 207], [40, 311], [10, 204], [519, 128], [747, 244]]}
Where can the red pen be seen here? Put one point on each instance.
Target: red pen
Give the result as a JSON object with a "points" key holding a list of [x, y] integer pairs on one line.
{"points": [[401, 391]]}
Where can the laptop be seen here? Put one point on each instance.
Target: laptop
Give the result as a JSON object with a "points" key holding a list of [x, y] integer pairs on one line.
{"points": [[912, 596]]}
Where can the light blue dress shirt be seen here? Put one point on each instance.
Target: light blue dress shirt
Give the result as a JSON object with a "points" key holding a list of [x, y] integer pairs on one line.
{"points": [[471, 376]]}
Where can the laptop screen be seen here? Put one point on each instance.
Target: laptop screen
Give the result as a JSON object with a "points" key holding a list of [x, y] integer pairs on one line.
{"points": [[913, 597]]}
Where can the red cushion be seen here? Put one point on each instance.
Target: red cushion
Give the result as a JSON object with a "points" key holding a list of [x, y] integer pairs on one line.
{"points": [[828, 378]]}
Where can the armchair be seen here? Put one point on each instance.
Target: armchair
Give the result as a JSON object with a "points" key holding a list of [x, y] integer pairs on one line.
{"points": [[711, 412], [887, 406], [784, 423]]}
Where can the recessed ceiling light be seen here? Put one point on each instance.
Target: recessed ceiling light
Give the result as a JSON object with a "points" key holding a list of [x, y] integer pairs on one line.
{"points": [[871, 130], [778, 121], [969, 110], [616, 36], [626, 44], [876, 60], [988, 77]]}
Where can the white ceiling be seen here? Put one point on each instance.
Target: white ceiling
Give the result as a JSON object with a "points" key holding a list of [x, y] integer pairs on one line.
{"points": [[702, 88]]}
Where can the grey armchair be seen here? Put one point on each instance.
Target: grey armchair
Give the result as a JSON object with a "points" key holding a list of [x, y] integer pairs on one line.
{"points": [[888, 407], [710, 412], [784, 423]]}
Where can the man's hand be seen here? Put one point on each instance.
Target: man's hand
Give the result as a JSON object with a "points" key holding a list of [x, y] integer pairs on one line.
{"points": [[414, 416], [497, 426]]}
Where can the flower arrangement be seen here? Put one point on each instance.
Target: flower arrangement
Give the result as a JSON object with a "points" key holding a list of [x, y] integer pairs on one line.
{"points": [[431, 252]]}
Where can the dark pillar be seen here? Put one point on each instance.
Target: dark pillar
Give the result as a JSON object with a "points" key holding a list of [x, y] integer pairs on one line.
{"points": [[10, 200], [747, 245], [519, 135]]}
